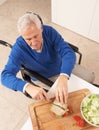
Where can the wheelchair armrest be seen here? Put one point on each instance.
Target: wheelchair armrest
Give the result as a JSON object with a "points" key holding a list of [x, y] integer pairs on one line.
{"points": [[76, 49], [27, 74]]}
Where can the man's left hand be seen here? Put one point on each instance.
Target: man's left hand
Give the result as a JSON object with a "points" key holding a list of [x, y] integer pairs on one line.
{"points": [[61, 92]]}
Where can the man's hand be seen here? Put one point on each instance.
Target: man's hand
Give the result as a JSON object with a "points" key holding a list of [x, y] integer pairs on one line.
{"points": [[36, 92], [61, 92]]}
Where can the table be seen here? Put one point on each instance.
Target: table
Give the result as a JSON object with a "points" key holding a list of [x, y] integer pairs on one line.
{"points": [[75, 83]]}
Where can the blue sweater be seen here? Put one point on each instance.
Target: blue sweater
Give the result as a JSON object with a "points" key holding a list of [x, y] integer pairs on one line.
{"points": [[56, 57]]}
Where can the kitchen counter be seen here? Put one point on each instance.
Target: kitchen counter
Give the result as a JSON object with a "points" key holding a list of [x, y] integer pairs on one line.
{"points": [[75, 83]]}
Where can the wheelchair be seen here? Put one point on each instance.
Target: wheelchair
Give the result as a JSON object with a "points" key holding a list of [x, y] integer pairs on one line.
{"points": [[79, 70]]}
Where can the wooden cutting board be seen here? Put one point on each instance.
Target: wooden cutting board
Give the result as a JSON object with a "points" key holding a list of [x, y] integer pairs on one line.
{"points": [[43, 119]]}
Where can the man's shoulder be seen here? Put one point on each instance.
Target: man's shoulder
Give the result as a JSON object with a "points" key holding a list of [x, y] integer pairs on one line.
{"points": [[48, 30], [19, 39], [47, 27], [19, 42]]}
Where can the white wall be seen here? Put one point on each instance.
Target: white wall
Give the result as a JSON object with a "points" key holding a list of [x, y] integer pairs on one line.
{"points": [[80, 16]]}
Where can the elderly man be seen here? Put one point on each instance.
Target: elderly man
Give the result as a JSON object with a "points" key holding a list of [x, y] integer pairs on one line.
{"points": [[42, 49]]}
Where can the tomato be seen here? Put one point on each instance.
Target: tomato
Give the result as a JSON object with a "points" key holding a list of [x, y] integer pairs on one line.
{"points": [[79, 120], [81, 123], [70, 109], [76, 118], [64, 115]]}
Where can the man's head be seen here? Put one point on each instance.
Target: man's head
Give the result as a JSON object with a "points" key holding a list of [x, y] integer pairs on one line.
{"points": [[30, 27]]}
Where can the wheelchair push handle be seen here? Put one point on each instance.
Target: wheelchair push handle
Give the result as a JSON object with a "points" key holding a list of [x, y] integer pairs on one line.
{"points": [[5, 43]]}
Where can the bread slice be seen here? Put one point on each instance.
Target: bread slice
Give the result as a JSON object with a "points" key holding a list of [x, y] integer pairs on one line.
{"points": [[58, 108]]}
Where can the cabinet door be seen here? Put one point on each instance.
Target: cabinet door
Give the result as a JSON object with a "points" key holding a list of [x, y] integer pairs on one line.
{"points": [[75, 15], [94, 30]]}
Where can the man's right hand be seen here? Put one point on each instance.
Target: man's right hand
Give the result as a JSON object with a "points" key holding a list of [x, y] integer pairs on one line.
{"points": [[36, 92]]}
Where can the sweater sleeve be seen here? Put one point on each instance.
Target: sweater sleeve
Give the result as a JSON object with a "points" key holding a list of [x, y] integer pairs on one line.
{"points": [[8, 75], [65, 51]]}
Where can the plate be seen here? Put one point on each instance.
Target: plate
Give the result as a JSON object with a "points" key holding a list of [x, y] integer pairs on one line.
{"points": [[90, 109]]}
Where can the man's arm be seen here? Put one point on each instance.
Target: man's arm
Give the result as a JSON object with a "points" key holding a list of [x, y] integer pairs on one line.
{"points": [[9, 79], [9, 74], [66, 53], [68, 57]]}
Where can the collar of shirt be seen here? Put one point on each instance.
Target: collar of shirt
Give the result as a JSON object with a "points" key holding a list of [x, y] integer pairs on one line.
{"points": [[39, 51]]}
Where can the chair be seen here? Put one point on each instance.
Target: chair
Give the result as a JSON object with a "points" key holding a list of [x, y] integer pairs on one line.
{"points": [[79, 70]]}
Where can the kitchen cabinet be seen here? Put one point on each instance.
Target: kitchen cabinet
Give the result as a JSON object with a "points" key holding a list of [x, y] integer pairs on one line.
{"points": [[80, 16], [94, 30]]}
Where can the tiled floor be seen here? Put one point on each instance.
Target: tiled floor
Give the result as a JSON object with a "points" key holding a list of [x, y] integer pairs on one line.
{"points": [[14, 105]]}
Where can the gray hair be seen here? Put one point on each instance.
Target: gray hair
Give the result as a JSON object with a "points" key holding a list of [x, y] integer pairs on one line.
{"points": [[25, 20]]}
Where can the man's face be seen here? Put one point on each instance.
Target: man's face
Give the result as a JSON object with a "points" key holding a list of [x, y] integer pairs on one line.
{"points": [[33, 36]]}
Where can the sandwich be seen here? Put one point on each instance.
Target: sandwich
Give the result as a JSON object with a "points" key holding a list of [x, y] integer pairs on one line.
{"points": [[59, 109]]}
